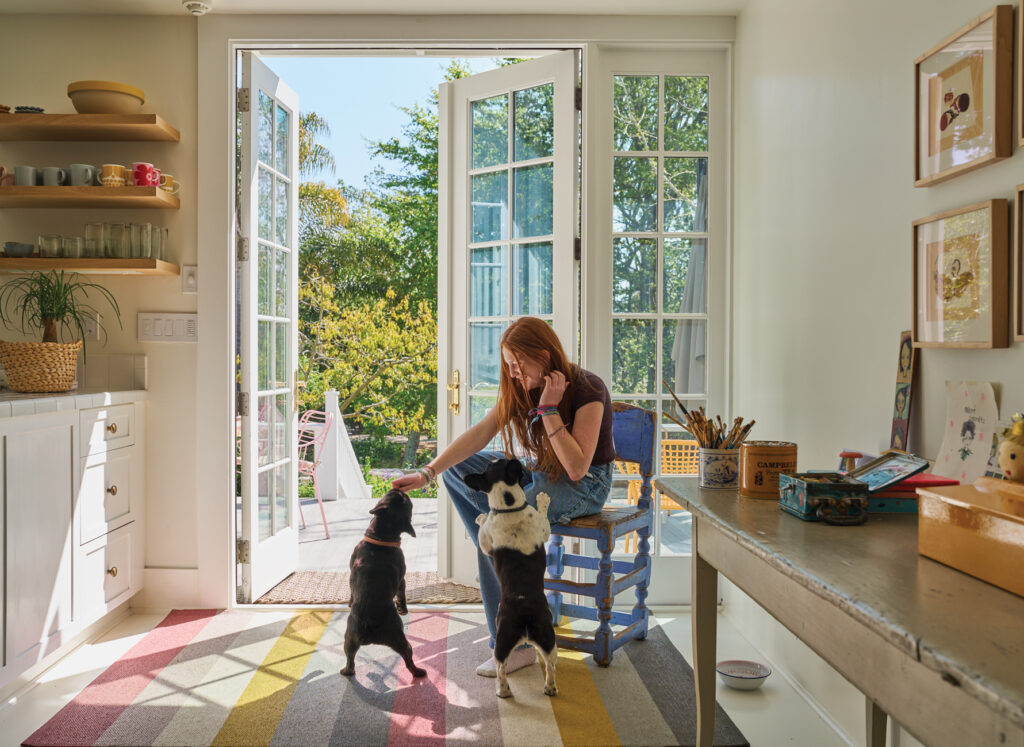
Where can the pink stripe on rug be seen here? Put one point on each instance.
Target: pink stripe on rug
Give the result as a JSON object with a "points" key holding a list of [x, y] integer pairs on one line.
{"points": [[417, 716], [84, 719]]}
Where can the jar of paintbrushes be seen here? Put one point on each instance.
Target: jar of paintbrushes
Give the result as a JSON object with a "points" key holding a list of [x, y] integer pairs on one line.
{"points": [[719, 452]]}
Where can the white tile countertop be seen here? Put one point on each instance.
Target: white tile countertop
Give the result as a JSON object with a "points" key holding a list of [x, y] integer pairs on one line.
{"points": [[13, 404]]}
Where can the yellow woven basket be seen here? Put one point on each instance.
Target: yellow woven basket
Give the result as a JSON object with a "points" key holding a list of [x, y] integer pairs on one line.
{"points": [[40, 366]]}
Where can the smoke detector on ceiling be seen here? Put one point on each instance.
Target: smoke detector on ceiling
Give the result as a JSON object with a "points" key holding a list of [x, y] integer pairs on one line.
{"points": [[196, 7]]}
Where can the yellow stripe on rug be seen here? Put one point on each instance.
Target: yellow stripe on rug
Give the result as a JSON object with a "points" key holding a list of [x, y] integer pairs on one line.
{"points": [[258, 711], [582, 718]]}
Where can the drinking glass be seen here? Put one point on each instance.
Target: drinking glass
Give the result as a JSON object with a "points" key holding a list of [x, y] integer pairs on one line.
{"points": [[118, 240], [71, 246], [49, 244], [144, 248], [94, 240]]}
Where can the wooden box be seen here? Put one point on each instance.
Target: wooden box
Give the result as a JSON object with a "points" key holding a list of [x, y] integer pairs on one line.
{"points": [[832, 497], [977, 529]]}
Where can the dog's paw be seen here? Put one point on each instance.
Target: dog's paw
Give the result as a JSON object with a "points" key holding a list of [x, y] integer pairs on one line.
{"points": [[552, 690], [418, 672], [503, 691], [348, 671], [481, 519], [543, 501], [402, 610]]}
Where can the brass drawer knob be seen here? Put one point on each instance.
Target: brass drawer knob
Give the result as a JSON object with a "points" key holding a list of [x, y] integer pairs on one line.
{"points": [[112, 490], [112, 427], [112, 571]]}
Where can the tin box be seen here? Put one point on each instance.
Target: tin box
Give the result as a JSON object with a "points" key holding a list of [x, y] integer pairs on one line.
{"points": [[832, 497]]}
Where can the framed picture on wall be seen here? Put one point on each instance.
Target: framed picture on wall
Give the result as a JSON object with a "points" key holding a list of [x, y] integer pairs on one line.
{"points": [[963, 91], [1018, 263], [960, 272]]}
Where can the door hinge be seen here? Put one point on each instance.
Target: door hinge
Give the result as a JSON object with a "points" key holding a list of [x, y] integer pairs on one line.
{"points": [[577, 248], [242, 403], [242, 100], [243, 248], [579, 99], [241, 551]]}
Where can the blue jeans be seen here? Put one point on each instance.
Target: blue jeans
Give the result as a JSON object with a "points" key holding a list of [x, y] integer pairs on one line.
{"points": [[569, 500]]}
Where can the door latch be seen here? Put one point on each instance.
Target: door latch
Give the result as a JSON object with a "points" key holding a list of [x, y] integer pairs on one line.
{"points": [[454, 387]]}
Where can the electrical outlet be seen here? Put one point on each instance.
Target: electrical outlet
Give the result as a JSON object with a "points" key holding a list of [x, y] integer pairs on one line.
{"points": [[91, 323], [189, 279]]}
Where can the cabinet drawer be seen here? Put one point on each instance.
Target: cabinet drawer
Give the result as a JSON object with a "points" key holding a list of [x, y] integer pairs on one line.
{"points": [[107, 493], [106, 577], [106, 428]]}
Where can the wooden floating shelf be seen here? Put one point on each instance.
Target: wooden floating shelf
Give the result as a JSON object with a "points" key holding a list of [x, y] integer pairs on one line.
{"points": [[87, 197], [68, 127], [89, 266]]}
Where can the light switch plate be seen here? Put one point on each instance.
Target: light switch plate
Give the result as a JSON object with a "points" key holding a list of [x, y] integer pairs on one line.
{"points": [[91, 324], [189, 279], [154, 326]]}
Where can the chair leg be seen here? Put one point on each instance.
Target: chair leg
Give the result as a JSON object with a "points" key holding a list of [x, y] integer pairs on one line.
{"points": [[603, 635], [302, 516], [555, 570], [316, 489], [643, 560]]}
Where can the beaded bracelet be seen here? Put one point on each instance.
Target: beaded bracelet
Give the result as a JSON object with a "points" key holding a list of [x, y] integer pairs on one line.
{"points": [[556, 431], [542, 411], [428, 472]]}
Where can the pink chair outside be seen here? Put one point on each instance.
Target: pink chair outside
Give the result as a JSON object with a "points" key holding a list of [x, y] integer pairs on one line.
{"points": [[313, 428]]}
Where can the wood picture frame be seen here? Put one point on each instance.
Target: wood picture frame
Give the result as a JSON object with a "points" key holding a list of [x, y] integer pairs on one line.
{"points": [[899, 436], [960, 277], [963, 94], [1017, 265]]}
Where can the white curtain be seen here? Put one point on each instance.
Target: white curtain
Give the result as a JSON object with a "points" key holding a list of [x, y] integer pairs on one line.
{"points": [[689, 348]]}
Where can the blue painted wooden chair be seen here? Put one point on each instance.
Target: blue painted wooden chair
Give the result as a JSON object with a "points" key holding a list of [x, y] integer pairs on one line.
{"points": [[633, 429]]}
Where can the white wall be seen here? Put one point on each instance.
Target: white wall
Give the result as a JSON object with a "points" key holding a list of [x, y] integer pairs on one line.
{"points": [[824, 201], [40, 55]]}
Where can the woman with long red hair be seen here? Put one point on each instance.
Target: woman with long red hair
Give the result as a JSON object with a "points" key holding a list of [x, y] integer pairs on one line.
{"points": [[553, 416]]}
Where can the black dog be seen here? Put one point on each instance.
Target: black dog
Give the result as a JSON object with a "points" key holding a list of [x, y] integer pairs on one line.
{"points": [[377, 581], [513, 533]]}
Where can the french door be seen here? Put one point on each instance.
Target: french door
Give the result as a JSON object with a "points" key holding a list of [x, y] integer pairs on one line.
{"points": [[268, 111], [508, 158]]}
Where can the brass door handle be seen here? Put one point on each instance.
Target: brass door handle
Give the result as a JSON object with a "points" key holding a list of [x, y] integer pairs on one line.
{"points": [[112, 571], [454, 390], [112, 490], [112, 427]]}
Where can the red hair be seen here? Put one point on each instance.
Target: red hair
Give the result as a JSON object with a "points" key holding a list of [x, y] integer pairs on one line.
{"points": [[531, 338]]}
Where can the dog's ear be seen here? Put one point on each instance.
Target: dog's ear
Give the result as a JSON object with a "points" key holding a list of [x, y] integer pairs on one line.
{"points": [[382, 505], [514, 472], [408, 529], [477, 482]]}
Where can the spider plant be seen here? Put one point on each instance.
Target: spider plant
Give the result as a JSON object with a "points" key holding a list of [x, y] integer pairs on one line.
{"points": [[52, 300]]}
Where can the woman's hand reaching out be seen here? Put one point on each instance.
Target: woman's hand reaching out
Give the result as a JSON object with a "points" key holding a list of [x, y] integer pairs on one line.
{"points": [[554, 388], [407, 483]]}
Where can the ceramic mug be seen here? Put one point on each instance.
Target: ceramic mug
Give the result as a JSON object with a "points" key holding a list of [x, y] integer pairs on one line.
{"points": [[112, 175], [82, 175], [145, 175], [6, 177], [168, 183], [54, 176], [25, 176]]}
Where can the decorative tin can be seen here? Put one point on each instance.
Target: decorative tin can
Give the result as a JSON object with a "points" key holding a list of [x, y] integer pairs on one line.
{"points": [[719, 468], [832, 497], [761, 463]]}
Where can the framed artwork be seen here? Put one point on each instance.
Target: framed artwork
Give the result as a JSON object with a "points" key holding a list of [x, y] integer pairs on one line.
{"points": [[1018, 262], [963, 92], [889, 469], [904, 393], [960, 273]]}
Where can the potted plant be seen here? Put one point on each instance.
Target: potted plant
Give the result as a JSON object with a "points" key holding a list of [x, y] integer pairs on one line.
{"points": [[56, 303]]}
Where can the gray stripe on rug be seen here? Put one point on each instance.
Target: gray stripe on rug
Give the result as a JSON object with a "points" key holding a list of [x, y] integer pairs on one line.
{"points": [[365, 714], [677, 702]]}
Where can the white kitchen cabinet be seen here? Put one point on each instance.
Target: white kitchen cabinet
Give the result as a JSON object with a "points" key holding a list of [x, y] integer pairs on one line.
{"points": [[71, 524], [38, 486]]}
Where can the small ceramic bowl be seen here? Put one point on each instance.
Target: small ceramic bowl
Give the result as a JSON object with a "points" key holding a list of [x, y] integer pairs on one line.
{"points": [[742, 675], [17, 249]]}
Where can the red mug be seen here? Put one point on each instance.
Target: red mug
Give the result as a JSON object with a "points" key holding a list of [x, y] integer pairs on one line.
{"points": [[145, 175]]}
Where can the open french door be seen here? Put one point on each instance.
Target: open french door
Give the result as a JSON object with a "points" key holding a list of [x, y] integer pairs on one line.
{"points": [[507, 223], [268, 267]]}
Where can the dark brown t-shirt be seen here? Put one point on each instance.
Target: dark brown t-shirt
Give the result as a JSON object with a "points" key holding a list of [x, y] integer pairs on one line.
{"points": [[595, 392]]}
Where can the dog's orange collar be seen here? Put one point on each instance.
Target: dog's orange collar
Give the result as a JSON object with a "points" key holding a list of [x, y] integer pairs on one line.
{"points": [[382, 543]]}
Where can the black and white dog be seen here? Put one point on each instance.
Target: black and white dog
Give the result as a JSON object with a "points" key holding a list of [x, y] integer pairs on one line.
{"points": [[377, 580], [513, 533]]}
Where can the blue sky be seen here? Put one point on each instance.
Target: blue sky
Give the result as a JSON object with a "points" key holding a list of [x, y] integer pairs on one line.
{"points": [[359, 97]]}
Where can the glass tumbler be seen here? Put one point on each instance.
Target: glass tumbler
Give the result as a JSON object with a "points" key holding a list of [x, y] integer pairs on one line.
{"points": [[144, 248], [49, 244], [94, 240], [71, 246], [118, 240]]}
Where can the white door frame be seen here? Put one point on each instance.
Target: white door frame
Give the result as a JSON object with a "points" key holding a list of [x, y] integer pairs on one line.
{"points": [[211, 581]]}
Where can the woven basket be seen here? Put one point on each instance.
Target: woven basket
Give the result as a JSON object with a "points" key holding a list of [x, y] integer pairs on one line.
{"points": [[40, 366]]}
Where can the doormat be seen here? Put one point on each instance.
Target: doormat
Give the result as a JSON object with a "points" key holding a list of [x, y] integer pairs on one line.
{"points": [[331, 587], [271, 677]]}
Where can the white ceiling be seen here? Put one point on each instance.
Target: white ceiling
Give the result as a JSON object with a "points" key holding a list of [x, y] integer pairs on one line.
{"points": [[374, 7]]}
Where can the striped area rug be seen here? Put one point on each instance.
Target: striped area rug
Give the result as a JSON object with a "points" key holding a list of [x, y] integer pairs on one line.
{"points": [[271, 678]]}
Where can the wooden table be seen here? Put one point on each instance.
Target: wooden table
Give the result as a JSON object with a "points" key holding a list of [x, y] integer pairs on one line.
{"points": [[940, 651]]}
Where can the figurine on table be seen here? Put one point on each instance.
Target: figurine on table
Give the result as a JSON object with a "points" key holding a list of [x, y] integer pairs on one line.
{"points": [[1011, 450]]}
